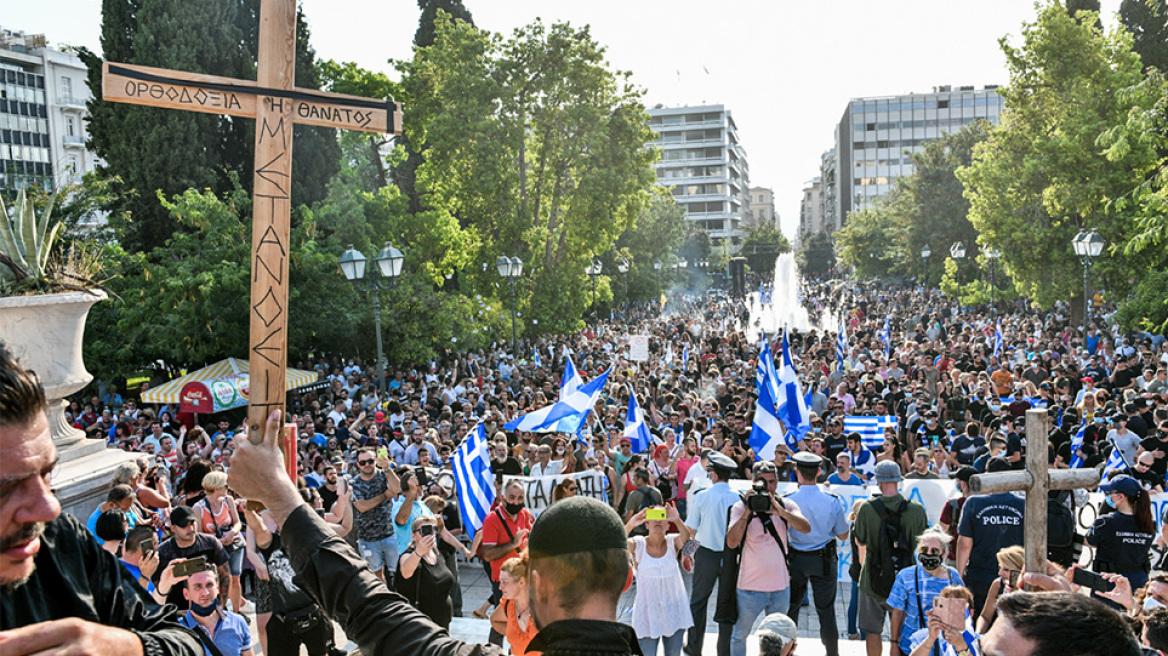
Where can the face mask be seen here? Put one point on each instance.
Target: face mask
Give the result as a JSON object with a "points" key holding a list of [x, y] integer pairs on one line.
{"points": [[930, 561], [513, 508], [995, 408], [1099, 420], [1108, 501], [204, 611], [817, 429], [560, 451], [1151, 603]]}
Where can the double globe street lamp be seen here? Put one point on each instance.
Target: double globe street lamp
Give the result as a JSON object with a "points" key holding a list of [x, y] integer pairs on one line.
{"points": [[1088, 246], [389, 265], [925, 253], [511, 268], [991, 254]]}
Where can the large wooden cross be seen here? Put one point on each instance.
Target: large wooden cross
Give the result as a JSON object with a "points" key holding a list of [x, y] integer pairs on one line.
{"points": [[1036, 480], [275, 103]]}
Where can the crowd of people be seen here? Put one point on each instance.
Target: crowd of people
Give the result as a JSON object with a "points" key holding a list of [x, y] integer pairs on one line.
{"points": [[376, 465]]}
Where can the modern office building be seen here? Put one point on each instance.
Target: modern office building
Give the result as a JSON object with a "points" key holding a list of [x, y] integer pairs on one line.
{"points": [[876, 137], [760, 209], [42, 114], [704, 165]]}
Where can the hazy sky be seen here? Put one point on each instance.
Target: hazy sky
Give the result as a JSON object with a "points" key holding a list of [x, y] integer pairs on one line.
{"points": [[785, 69]]}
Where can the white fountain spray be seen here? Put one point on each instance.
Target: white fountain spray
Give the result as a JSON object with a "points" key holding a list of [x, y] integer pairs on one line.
{"points": [[785, 308]]}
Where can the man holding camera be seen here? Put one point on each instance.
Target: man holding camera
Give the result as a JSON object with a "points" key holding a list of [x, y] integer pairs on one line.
{"points": [[812, 556], [759, 523]]}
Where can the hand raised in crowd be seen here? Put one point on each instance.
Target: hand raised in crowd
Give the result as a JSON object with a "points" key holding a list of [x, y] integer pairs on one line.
{"points": [[257, 472], [168, 580]]}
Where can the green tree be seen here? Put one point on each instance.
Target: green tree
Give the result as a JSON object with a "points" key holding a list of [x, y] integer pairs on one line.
{"points": [[535, 145], [348, 77], [1147, 20], [868, 240], [816, 256], [149, 149], [1041, 175], [1076, 6], [761, 245], [425, 34], [657, 234]]}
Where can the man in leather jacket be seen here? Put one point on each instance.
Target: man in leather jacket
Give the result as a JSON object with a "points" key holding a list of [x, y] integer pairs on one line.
{"points": [[574, 619], [58, 589]]}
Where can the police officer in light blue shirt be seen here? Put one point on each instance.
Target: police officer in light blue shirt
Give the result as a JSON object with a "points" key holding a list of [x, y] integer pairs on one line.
{"points": [[708, 517], [812, 556]]}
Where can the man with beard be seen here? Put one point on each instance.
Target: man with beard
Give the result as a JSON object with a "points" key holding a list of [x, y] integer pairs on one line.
{"points": [[59, 591]]}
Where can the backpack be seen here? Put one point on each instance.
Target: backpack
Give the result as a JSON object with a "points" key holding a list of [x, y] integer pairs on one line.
{"points": [[1060, 528], [893, 550]]}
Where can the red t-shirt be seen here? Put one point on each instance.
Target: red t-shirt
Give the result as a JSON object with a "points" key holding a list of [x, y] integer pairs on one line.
{"points": [[495, 534]]}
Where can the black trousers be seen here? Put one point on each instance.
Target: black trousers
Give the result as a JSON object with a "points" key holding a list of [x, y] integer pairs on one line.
{"points": [[283, 642], [821, 573], [707, 568]]}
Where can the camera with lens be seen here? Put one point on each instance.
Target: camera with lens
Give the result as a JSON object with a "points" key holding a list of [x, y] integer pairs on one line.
{"points": [[759, 500]]}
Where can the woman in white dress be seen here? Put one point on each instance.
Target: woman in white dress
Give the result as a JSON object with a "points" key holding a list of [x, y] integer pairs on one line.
{"points": [[661, 609]]}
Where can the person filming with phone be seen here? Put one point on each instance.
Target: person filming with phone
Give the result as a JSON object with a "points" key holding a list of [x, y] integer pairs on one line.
{"points": [[422, 576], [949, 630]]}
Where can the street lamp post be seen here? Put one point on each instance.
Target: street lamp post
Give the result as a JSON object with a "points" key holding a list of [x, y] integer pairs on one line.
{"points": [[511, 268], [957, 252], [593, 270], [925, 253], [389, 265], [992, 254], [623, 267], [1088, 246], [657, 273]]}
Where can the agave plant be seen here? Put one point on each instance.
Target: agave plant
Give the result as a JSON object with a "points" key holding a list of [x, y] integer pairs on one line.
{"points": [[26, 244]]}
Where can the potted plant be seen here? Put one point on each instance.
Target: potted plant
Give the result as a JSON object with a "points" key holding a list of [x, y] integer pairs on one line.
{"points": [[45, 296]]}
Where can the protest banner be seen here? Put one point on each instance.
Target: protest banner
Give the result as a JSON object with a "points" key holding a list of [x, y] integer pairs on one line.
{"points": [[589, 483], [639, 348]]}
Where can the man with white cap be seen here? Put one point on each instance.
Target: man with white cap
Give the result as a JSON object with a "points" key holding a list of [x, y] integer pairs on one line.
{"points": [[777, 636]]}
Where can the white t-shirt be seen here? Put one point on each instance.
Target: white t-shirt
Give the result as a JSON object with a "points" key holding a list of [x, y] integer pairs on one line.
{"points": [[696, 478]]}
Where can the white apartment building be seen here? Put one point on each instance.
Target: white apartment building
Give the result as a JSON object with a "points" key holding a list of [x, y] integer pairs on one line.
{"points": [[43, 93], [810, 211], [760, 208], [704, 165]]}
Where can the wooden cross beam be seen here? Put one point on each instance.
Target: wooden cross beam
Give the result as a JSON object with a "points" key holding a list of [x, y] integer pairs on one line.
{"points": [[275, 103], [1036, 481]]}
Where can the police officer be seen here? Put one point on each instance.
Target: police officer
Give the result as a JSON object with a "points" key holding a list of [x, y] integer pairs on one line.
{"points": [[708, 517], [812, 557]]}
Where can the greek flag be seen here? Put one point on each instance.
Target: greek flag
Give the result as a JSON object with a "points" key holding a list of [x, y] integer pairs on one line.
{"points": [[871, 429], [767, 432], [841, 346], [790, 405], [473, 479], [571, 379], [1077, 445], [998, 338], [968, 634], [767, 374], [535, 358], [685, 357], [565, 415], [635, 428], [1115, 462]]}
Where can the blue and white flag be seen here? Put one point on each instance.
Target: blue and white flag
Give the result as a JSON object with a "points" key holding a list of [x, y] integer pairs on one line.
{"points": [[767, 432], [535, 358], [573, 407], [766, 373], [871, 429], [668, 358], [473, 479], [571, 380], [685, 357], [969, 634], [1115, 462], [1077, 445], [998, 338], [841, 346], [635, 428], [790, 405]]}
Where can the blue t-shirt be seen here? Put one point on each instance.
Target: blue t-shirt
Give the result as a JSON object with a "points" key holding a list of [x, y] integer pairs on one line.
{"points": [[231, 633], [913, 583], [404, 534], [856, 479]]}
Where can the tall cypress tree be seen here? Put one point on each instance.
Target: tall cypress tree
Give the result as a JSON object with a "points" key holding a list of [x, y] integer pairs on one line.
{"points": [[1075, 6], [1149, 28], [153, 149]]}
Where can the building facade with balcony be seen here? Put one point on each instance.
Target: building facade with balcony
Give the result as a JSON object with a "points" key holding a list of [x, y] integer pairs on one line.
{"points": [[810, 211], [43, 93], [876, 137], [760, 207], [704, 166]]}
